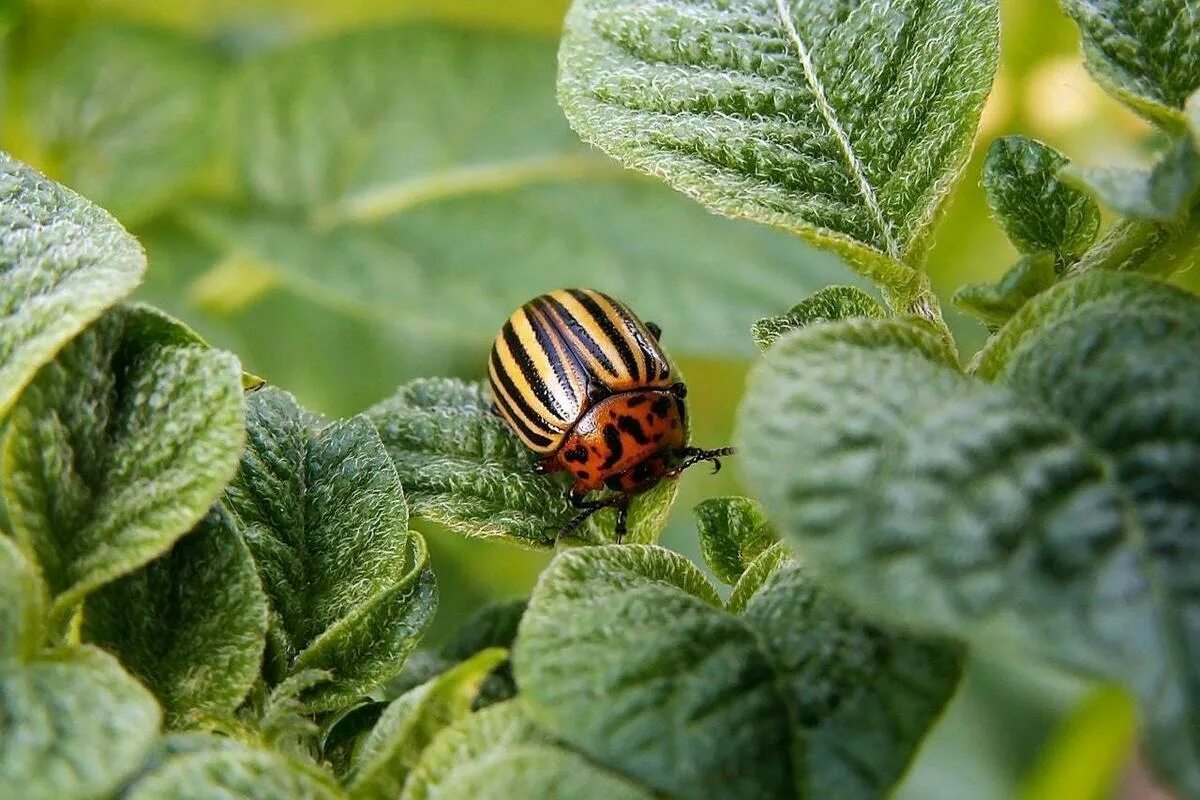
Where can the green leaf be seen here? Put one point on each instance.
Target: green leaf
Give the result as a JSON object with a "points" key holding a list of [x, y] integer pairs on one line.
{"points": [[22, 605], [995, 303], [1163, 194], [63, 261], [1037, 210], [117, 449], [1146, 53], [191, 625], [733, 532], [832, 302], [208, 771], [389, 173], [502, 753], [325, 517], [129, 137], [391, 750], [1048, 518], [73, 725], [1122, 370], [864, 697], [758, 572], [494, 625], [462, 467], [846, 123], [626, 654]]}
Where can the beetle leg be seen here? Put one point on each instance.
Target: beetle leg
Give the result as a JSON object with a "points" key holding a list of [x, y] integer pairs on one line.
{"points": [[589, 507], [655, 331], [694, 455], [622, 520]]}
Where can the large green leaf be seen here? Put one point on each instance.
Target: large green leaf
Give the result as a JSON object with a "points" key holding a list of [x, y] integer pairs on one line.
{"points": [[117, 449], [388, 753], [1049, 518], [195, 768], [22, 604], [73, 725], [1145, 52], [423, 179], [191, 624], [325, 518], [502, 753], [626, 653], [62, 262], [462, 467], [846, 122], [126, 136]]}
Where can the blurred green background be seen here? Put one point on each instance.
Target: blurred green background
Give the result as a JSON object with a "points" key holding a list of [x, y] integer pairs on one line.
{"points": [[353, 194]]}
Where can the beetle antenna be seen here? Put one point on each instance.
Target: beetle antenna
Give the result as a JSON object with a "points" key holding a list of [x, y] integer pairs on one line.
{"points": [[694, 455]]}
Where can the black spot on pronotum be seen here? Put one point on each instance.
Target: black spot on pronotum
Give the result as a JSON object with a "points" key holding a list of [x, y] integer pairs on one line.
{"points": [[661, 406], [582, 473], [633, 428], [636, 400], [612, 438], [577, 455]]}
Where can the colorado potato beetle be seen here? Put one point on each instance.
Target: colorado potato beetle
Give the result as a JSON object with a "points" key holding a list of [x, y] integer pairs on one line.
{"points": [[586, 386]]}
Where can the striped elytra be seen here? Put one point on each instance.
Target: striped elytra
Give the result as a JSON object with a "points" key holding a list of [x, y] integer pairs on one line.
{"points": [[584, 384]]}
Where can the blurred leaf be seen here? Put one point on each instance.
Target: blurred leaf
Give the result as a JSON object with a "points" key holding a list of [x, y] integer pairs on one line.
{"points": [[390, 751], [501, 753], [128, 136], [733, 532], [995, 303], [190, 624], [1145, 53], [62, 262], [117, 449], [694, 697], [1082, 760], [864, 697], [422, 179], [1164, 193], [832, 302], [22, 605], [796, 114], [463, 468], [218, 770], [1037, 210], [1004, 515], [73, 724], [325, 517]]}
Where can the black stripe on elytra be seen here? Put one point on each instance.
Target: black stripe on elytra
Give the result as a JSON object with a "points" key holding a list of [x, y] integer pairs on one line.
{"points": [[605, 321], [633, 428], [510, 391], [529, 372], [612, 438], [546, 342], [580, 333]]}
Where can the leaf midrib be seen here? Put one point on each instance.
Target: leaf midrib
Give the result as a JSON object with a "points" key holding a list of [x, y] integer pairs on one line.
{"points": [[835, 127]]}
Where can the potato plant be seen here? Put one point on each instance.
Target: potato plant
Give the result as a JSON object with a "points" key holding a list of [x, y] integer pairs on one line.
{"points": [[208, 590]]}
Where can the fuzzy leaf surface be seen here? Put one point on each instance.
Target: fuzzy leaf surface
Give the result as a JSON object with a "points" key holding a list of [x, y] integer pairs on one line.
{"points": [[626, 654], [423, 179], [325, 517], [217, 770], [1163, 193], [22, 604], [462, 467], [117, 449], [389, 752], [501, 752], [191, 625], [733, 532], [843, 121], [63, 261], [126, 136], [1006, 514], [832, 302], [73, 725], [995, 303], [1146, 52], [1037, 210]]}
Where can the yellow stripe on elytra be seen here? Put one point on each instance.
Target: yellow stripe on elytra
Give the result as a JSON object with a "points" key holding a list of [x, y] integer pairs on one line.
{"points": [[510, 368], [615, 376]]}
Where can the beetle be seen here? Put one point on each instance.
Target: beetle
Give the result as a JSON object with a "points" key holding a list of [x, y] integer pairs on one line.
{"points": [[585, 385]]}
